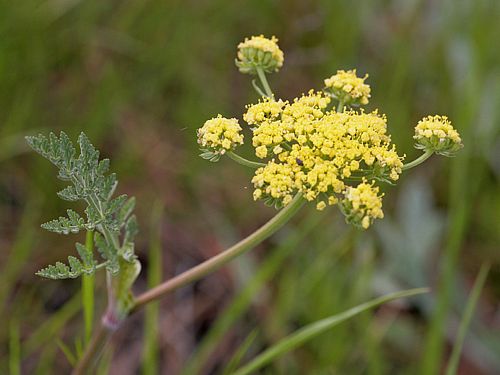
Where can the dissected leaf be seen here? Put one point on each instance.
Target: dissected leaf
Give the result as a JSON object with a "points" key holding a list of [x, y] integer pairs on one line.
{"points": [[90, 183]]}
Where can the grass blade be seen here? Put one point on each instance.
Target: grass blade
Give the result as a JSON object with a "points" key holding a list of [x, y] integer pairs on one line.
{"points": [[14, 349], [464, 324], [240, 353], [66, 351], [50, 328], [310, 331]]}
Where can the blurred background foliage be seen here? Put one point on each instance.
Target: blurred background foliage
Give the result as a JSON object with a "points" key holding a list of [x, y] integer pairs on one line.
{"points": [[140, 76]]}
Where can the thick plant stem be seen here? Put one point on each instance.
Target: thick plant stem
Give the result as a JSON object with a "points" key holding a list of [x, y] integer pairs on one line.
{"points": [[241, 160], [418, 160], [218, 261], [265, 84]]}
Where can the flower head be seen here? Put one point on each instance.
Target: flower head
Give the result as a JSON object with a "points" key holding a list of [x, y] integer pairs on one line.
{"points": [[317, 152], [362, 204], [435, 133], [348, 88], [219, 135], [259, 52]]}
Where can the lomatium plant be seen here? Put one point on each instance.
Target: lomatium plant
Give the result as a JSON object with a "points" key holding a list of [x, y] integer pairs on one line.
{"points": [[320, 147]]}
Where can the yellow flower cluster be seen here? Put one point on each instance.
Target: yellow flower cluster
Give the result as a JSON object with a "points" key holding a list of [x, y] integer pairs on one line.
{"points": [[259, 52], [435, 133], [220, 134], [362, 204], [315, 151], [325, 155], [348, 87]]}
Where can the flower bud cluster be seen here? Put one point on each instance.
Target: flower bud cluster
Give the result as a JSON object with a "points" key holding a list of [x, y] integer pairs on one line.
{"points": [[436, 134], [259, 52]]}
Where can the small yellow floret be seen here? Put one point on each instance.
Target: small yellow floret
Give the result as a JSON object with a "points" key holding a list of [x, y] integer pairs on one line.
{"points": [[320, 206], [348, 87]]}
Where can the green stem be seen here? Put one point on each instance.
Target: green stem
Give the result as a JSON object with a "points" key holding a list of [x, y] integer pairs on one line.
{"points": [[418, 160], [340, 106], [241, 160], [221, 259], [257, 88], [263, 80], [88, 282]]}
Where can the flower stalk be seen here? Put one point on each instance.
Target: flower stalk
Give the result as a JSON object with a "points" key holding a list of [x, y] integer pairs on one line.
{"points": [[426, 155], [241, 160], [212, 264], [263, 80]]}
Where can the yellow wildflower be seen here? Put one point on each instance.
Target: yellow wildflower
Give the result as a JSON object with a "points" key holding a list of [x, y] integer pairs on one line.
{"points": [[348, 87], [220, 134], [259, 52], [435, 133]]}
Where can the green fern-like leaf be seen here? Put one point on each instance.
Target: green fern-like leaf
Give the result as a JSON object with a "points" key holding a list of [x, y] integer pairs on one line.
{"points": [[62, 271], [110, 218], [126, 210], [66, 225], [106, 251], [70, 194], [116, 204]]}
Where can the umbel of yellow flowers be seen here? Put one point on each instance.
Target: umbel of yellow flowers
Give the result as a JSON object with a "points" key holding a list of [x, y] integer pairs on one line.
{"points": [[220, 134], [332, 156]]}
